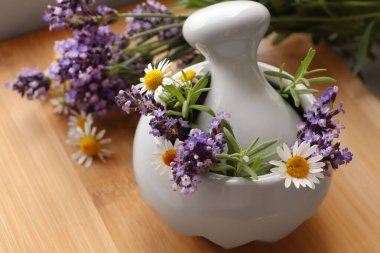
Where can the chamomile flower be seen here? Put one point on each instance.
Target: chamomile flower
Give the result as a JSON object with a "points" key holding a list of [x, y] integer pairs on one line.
{"points": [[300, 166], [190, 75], [59, 105], [91, 144], [164, 155], [155, 76], [78, 120]]}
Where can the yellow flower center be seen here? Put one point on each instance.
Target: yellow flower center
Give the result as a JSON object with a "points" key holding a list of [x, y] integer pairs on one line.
{"points": [[190, 74], [80, 122], [169, 156], [153, 79], [89, 145], [297, 167]]}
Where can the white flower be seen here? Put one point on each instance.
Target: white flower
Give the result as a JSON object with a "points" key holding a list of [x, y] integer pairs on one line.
{"points": [[78, 120], [154, 76], [164, 154], [300, 166], [90, 145], [59, 105]]}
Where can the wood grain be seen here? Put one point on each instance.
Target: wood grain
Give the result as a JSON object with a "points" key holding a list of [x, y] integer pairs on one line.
{"points": [[49, 204]]}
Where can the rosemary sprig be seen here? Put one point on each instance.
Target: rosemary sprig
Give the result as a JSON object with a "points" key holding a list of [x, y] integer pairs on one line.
{"points": [[181, 99], [247, 162], [295, 84]]}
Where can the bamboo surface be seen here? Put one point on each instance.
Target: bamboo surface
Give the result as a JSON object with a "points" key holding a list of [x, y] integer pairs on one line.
{"points": [[49, 204]]}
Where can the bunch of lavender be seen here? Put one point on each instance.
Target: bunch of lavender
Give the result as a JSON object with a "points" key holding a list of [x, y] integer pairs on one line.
{"points": [[82, 62], [78, 14], [195, 155], [322, 129], [31, 83]]}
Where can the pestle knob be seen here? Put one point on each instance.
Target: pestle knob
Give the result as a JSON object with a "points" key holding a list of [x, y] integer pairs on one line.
{"points": [[228, 30], [228, 35]]}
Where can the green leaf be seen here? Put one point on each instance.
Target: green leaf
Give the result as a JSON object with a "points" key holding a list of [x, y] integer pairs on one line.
{"points": [[316, 80], [185, 109], [252, 145], [256, 164], [221, 167], [264, 169], [295, 97], [364, 47], [201, 90], [278, 74], [306, 91], [203, 109], [172, 89], [309, 58], [227, 157], [261, 147], [173, 113], [315, 71], [231, 142], [249, 171], [202, 83]]}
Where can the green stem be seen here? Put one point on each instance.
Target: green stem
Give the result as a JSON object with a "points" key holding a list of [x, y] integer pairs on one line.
{"points": [[153, 15], [157, 29]]}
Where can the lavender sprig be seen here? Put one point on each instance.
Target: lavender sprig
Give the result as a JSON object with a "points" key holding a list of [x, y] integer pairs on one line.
{"points": [[195, 155], [78, 14], [31, 83], [137, 25], [322, 129]]}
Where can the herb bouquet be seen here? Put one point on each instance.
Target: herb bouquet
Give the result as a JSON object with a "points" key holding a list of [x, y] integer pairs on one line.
{"points": [[236, 190]]}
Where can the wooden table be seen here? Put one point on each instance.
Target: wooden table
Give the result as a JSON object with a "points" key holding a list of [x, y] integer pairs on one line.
{"points": [[49, 204]]}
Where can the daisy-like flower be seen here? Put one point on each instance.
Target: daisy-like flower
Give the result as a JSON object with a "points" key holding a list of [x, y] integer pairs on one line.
{"points": [[190, 75], [59, 105], [155, 76], [164, 155], [91, 144], [78, 120], [300, 166]]}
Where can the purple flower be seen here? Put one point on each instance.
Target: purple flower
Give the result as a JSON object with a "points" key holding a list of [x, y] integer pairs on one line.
{"points": [[82, 64], [78, 14], [138, 25], [131, 100], [195, 155], [168, 127], [322, 129], [31, 83]]}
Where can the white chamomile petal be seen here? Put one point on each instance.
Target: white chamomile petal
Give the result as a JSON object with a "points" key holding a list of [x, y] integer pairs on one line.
{"points": [[163, 155], [315, 159], [90, 145], [300, 167]]}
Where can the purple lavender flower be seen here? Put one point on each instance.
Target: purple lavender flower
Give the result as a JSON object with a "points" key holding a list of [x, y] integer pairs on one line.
{"points": [[131, 100], [168, 127], [78, 14], [137, 25], [31, 83], [82, 63], [321, 129], [195, 155]]}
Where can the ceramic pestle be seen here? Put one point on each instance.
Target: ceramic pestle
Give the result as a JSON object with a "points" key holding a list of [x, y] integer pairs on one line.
{"points": [[228, 35]]}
